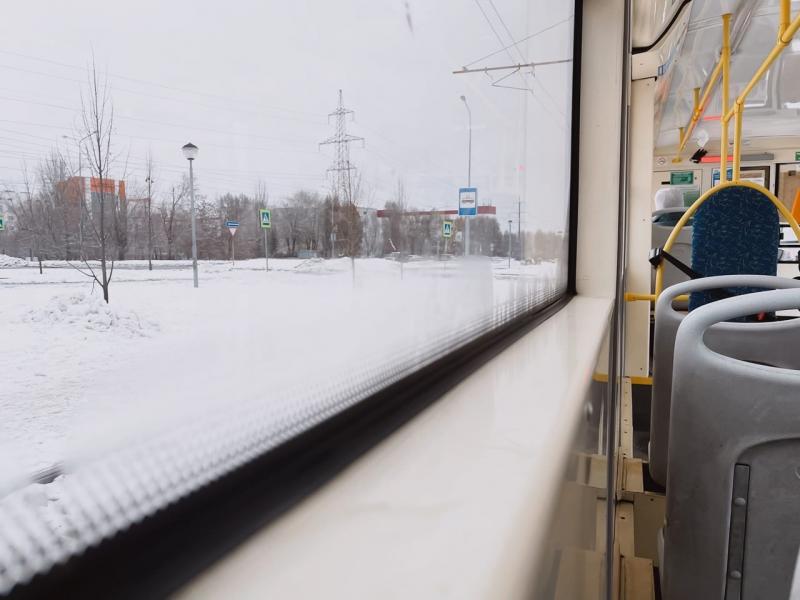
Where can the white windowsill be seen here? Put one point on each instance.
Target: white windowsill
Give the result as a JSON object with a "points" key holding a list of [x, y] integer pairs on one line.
{"points": [[453, 505]]}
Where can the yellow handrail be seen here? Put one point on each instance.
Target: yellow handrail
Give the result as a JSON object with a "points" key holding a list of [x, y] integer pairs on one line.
{"points": [[786, 15], [634, 297], [785, 213], [686, 132], [726, 87], [783, 40]]}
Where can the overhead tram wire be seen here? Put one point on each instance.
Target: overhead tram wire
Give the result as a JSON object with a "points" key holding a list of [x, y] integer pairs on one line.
{"points": [[506, 49], [516, 43], [524, 59]]}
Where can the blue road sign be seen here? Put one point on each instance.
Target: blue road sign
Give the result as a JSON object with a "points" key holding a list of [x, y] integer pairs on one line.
{"points": [[233, 224], [467, 202]]}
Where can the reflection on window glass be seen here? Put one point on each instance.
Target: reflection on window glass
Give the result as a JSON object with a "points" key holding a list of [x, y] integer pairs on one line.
{"points": [[365, 186]]}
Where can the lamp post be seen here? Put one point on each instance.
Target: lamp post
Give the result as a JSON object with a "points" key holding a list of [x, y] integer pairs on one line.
{"points": [[190, 152], [149, 181], [469, 174], [509, 243]]}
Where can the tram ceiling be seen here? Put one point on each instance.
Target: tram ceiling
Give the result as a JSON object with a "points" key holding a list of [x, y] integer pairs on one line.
{"points": [[772, 107]]}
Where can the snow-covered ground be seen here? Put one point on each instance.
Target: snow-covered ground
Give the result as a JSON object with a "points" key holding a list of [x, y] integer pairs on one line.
{"points": [[80, 377]]}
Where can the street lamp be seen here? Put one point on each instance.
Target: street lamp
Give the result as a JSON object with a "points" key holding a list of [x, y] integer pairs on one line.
{"points": [[469, 174], [190, 152], [509, 244]]}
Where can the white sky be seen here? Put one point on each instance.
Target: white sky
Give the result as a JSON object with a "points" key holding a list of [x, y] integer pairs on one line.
{"points": [[251, 84]]}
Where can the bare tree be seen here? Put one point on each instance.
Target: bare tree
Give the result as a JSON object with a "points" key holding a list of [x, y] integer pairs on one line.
{"points": [[29, 217], [169, 212], [97, 120], [61, 216]]}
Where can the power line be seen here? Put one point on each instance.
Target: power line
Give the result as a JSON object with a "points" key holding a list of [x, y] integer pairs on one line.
{"points": [[167, 98], [147, 82], [167, 124]]}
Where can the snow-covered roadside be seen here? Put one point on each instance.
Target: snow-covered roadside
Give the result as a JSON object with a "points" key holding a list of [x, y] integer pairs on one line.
{"points": [[73, 364]]}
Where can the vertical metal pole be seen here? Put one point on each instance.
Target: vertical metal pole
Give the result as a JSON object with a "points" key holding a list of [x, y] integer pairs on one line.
{"points": [[233, 249], [266, 248], [469, 180], [509, 244], [149, 224], [194, 225], [519, 228], [616, 352]]}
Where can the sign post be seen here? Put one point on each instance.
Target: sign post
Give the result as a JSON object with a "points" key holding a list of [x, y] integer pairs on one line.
{"points": [[265, 218], [467, 207], [232, 227], [447, 233]]}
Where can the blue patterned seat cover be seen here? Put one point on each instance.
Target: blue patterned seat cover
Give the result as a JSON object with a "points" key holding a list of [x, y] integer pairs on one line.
{"points": [[735, 232]]}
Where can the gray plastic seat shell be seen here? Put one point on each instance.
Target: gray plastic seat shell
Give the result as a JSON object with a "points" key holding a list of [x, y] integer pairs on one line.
{"points": [[723, 408], [774, 343]]}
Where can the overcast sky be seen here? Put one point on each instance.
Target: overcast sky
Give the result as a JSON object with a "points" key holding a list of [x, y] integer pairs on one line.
{"points": [[251, 84]]}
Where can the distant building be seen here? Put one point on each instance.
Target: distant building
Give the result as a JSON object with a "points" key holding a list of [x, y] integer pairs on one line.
{"points": [[86, 190]]}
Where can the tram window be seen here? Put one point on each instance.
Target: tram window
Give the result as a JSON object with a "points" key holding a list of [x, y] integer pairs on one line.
{"points": [[788, 184], [355, 209], [788, 84]]}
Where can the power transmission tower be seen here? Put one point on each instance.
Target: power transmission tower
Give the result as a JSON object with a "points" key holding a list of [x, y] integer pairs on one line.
{"points": [[341, 169]]}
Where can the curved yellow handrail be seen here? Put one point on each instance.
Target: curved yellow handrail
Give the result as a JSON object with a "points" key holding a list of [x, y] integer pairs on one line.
{"points": [[697, 203]]}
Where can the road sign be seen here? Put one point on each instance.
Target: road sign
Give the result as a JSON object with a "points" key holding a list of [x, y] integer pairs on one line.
{"points": [[447, 229], [265, 216], [2, 222], [232, 226], [467, 202]]}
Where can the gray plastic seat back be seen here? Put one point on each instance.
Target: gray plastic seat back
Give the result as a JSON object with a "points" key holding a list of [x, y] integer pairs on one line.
{"points": [[776, 344], [732, 522]]}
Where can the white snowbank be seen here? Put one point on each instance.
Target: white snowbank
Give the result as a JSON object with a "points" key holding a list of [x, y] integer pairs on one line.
{"points": [[12, 261], [90, 311]]}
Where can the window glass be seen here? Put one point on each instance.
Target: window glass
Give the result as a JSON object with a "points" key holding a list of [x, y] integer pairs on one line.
{"points": [[313, 156]]}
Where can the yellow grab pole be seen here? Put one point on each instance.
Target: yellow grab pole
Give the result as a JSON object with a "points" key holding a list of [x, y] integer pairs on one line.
{"points": [[786, 15], [726, 89], [687, 131], [783, 41]]}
